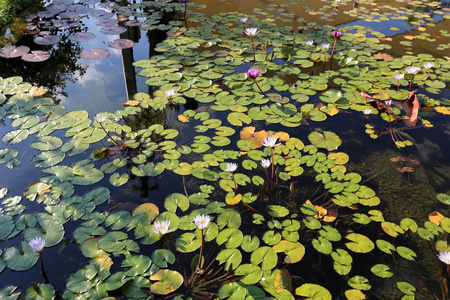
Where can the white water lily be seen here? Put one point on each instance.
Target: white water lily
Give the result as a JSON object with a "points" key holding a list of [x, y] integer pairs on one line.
{"points": [[325, 46], [37, 244], [444, 257], [201, 221], [161, 227], [251, 31], [100, 118], [412, 69], [388, 102], [243, 20], [265, 163], [270, 141], [367, 111], [231, 167], [170, 93], [399, 76], [428, 65], [309, 43]]}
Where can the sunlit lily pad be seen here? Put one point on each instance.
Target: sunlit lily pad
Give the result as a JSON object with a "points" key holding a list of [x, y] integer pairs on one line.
{"points": [[313, 292]]}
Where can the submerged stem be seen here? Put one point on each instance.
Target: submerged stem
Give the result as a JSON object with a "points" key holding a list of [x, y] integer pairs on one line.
{"points": [[42, 268]]}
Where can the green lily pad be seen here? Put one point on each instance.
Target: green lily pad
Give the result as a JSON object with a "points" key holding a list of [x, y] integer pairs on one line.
{"points": [[313, 292], [167, 281], [176, 200], [328, 140], [39, 292], [20, 260], [360, 243], [294, 250], [381, 270], [231, 257], [265, 256], [251, 273], [6, 226], [161, 257], [359, 282], [232, 237], [406, 253]]}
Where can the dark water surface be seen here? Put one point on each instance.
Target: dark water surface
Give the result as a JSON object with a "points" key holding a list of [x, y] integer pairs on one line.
{"points": [[105, 85]]}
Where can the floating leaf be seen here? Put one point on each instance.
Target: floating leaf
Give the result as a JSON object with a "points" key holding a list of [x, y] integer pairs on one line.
{"points": [[360, 243], [265, 256], [313, 292], [294, 250], [327, 140], [167, 281]]}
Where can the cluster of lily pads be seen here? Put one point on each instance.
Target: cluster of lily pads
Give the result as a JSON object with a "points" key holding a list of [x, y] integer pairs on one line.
{"points": [[257, 213]]}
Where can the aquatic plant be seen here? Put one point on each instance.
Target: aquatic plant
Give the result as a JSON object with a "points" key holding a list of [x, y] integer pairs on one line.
{"points": [[259, 239]]}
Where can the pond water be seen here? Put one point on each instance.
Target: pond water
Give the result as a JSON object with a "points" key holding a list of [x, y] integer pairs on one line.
{"points": [[149, 104]]}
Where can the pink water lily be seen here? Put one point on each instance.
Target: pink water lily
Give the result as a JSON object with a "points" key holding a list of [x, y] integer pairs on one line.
{"points": [[253, 73]]}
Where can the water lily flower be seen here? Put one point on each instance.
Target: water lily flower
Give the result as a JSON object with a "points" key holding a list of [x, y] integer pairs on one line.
{"points": [[412, 69], [265, 163], [201, 221], [185, 1], [170, 93], [444, 257], [336, 34], [161, 227], [243, 20], [270, 141], [325, 46], [388, 102], [367, 111], [231, 167], [37, 244], [309, 43], [428, 65], [399, 76], [251, 31], [100, 118], [253, 73]]}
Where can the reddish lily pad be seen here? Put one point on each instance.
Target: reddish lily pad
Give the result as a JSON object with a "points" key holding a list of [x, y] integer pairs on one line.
{"points": [[112, 30], [36, 56], [121, 44], [95, 53], [13, 51], [82, 37], [47, 40]]}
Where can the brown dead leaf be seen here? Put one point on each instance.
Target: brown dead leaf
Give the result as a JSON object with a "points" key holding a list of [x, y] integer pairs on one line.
{"points": [[282, 136], [435, 217], [132, 103], [256, 137], [183, 119], [383, 56], [409, 37], [331, 216], [36, 91]]}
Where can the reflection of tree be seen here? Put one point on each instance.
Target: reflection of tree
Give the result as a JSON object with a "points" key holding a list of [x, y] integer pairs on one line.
{"points": [[62, 66]]}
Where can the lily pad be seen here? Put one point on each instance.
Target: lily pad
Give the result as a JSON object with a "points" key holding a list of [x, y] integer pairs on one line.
{"points": [[328, 140], [167, 281]]}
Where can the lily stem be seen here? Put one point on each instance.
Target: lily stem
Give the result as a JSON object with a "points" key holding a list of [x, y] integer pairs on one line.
{"points": [[107, 133], [201, 252], [42, 268]]}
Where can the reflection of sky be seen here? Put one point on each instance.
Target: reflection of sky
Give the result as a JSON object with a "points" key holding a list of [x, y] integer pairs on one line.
{"points": [[102, 87], [384, 26]]}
